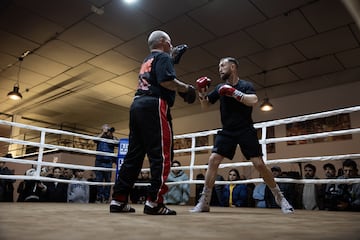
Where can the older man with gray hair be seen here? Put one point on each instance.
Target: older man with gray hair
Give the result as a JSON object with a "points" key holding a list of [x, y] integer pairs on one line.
{"points": [[151, 131]]}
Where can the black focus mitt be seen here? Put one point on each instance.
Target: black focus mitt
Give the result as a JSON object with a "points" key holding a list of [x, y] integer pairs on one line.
{"points": [[177, 52], [188, 96]]}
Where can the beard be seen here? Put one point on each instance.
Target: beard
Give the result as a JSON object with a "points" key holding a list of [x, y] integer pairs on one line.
{"points": [[225, 76]]}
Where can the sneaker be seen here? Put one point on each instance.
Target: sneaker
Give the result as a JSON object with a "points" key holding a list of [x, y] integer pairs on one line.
{"points": [[286, 208], [116, 207], [161, 209]]}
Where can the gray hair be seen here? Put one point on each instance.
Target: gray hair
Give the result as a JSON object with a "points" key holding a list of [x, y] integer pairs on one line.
{"points": [[155, 37]]}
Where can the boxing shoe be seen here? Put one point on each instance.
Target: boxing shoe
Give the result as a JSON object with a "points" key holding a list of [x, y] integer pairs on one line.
{"points": [[281, 201], [120, 207], [160, 209], [286, 208], [203, 204]]}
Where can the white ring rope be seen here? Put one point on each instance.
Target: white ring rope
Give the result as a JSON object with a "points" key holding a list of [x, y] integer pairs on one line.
{"points": [[43, 147]]}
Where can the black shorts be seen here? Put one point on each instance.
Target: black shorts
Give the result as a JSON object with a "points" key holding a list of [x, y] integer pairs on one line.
{"points": [[227, 141]]}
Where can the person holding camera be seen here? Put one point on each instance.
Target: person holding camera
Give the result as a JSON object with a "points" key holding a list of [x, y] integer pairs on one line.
{"points": [[103, 192]]}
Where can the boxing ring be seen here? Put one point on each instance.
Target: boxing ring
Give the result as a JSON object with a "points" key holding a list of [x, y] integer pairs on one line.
{"points": [[85, 221]]}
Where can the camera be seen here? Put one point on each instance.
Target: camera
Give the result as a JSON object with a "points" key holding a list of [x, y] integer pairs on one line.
{"points": [[112, 129]]}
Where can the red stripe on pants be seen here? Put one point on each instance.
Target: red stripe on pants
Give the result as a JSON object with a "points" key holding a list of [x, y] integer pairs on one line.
{"points": [[166, 141]]}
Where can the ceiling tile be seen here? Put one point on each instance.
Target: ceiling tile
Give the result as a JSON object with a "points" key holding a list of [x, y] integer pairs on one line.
{"points": [[333, 14], [23, 23], [115, 62], [43, 65], [274, 78], [326, 43], [106, 90], [69, 83], [64, 53], [136, 49], [281, 30], [90, 73], [350, 58], [6, 61], [196, 59], [129, 80], [118, 12], [215, 16], [174, 8], [195, 33], [276, 57], [26, 77], [64, 12], [15, 45], [276, 7], [316, 67], [356, 30], [90, 38], [241, 43], [247, 68]]}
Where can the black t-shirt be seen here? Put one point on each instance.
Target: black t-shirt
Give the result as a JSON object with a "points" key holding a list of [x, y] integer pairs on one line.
{"points": [[157, 68], [234, 114]]}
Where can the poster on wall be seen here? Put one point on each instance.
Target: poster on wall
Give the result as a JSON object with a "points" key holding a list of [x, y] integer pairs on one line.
{"points": [[184, 143], [326, 124]]}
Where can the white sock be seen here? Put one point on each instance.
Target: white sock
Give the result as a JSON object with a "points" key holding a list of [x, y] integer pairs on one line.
{"points": [[275, 189], [277, 192], [151, 204]]}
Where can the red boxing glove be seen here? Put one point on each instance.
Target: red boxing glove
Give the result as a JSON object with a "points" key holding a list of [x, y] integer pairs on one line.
{"points": [[227, 90], [203, 84]]}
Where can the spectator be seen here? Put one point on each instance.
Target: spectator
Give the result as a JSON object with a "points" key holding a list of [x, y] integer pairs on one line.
{"points": [[78, 192], [259, 195], [178, 194], [309, 193], [139, 193], [103, 191], [31, 190], [250, 189], [330, 171], [348, 195], [92, 188], [6, 185], [68, 173], [327, 190], [234, 195], [56, 191]]}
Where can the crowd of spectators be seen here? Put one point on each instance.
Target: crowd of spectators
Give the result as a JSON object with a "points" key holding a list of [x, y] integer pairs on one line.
{"points": [[307, 196]]}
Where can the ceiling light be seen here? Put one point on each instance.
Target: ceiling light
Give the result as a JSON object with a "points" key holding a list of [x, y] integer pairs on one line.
{"points": [[266, 105], [15, 94], [129, 1]]}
